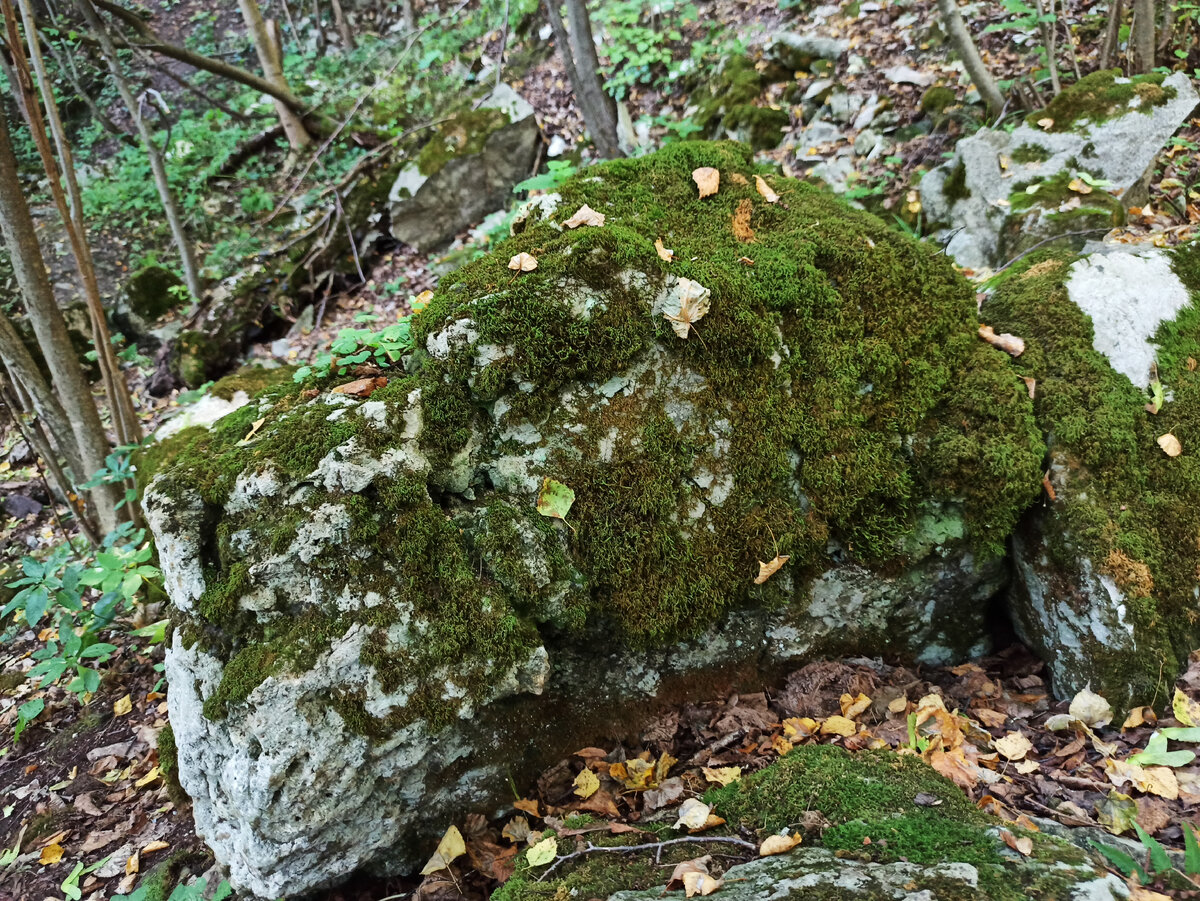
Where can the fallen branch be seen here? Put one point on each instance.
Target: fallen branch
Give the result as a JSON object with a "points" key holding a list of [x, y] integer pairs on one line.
{"points": [[656, 847]]}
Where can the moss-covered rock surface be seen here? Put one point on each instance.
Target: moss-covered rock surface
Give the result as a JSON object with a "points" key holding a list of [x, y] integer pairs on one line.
{"points": [[1065, 174], [373, 621]]}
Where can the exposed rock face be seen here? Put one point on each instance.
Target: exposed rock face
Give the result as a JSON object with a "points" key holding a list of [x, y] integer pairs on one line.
{"points": [[465, 171], [374, 623], [1106, 570], [1002, 193], [798, 51]]}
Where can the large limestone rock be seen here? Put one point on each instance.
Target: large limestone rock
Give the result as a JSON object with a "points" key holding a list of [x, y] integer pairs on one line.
{"points": [[1002, 192], [465, 171], [1108, 569], [374, 624]]}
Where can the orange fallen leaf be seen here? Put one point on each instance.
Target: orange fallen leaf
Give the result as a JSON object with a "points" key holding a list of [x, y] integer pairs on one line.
{"points": [[707, 179], [133, 865], [778, 844], [155, 846], [361, 387], [1023, 845], [1010, 344], [1049, 486], [1031, 384], [664, 253], [741, 222], [766, 570], [765, 189], [852, 706], [529, 806]]}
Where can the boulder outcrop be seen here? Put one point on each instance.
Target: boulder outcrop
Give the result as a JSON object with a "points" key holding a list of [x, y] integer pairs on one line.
{"points": [[375, 619]]}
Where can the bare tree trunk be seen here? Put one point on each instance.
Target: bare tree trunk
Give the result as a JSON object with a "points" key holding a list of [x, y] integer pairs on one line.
{"points": [[268, 58], [578, 50], [963, 44], [125, 420], [343, 27], [1141, 36], [1112, 31], [1048, 30], [66, 65], [1167, 31], [187, 255], [73, 391], [320, 29]]}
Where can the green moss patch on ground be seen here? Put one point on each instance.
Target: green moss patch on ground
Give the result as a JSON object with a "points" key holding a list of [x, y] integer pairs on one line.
{"points": [[731, 102], [1100, 96]]}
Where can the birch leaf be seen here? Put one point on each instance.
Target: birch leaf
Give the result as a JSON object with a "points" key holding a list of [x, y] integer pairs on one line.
{"points": [[778, 844], [586, 784], [555, 499], [450, 848], [707, 179], [543, 852], [690, 302], [523, 262], [1170, 445], [766, 570], [585, 215]]}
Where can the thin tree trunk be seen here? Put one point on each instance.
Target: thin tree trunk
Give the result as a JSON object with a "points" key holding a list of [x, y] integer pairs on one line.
{"points": [[125, 420], [268, 58], [73, 391], [964, 45], [66, 65], [1048, 30], [1141, 37], [149, 40], [1112, 32], [191, 272], [599, 114], [1167, 31], [322, 44], [343, 27]]}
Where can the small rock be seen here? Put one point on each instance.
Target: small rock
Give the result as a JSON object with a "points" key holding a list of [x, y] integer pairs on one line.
{"points": [[797, 51], [20, 454], [18, 506], [909, 75]]}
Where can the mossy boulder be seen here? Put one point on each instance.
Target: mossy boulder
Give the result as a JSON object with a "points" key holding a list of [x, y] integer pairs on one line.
{"points": [[1107, 568], [465, 170], [730, 105], [373, 622], [1067, 172]]}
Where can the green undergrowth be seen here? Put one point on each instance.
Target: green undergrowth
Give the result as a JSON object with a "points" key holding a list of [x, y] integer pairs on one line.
{"points": [[1131, 509], [1099, 96], [731, 103], [842, 374]]}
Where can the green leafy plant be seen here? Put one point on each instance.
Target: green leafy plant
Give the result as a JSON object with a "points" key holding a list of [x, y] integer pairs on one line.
{"points": [[197, 891], [353, 346], [557, 172], [70, 885], [915, 741], [1156, 754], [1157, 862], [81, 597]]}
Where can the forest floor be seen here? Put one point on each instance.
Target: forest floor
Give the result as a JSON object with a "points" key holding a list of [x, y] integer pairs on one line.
{"points": [[82, 786]]}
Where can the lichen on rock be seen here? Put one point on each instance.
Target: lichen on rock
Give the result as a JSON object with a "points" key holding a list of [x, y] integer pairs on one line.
{"points": [[370, 611]]}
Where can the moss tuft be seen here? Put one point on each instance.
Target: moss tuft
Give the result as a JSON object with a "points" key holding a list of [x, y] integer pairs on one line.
{"points": [[955, 186], [1100, 96], [935, 100], [1030, 153]]}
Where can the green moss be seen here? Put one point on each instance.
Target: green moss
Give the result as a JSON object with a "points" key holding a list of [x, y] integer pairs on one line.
{"points": [[955, 186], [1131, 510], [935, 100], [731, 103], [463, 134], [253, 380], [219, 601], [195, 357], [168, 765], [1030, 153], [160, 883], [150, 291], [1100, 96]]}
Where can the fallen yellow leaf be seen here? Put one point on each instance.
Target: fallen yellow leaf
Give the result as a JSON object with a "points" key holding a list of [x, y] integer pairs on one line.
{"points": [[123, 706], [838, 725], [155, 846], [707, 179], [664, 253], [853, 706], [722, 775], [1185, 709], [133, 865], [147, 779], [450, 848], [586, 784], [543, 852], [1170, 445], [51, 854], [700, 884], [1013, 746], [1079, 186]]}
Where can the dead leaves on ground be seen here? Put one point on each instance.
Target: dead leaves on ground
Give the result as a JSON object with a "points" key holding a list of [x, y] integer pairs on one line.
{"points": [[708, 181]]}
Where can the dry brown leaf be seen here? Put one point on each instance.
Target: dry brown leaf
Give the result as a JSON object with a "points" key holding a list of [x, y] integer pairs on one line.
{"points": [[741, 222], [529, 806], [722, 775], [765, 189], [953, 765], [778, 844], [134, 864], [696, 865], [522, 262], [155, 846], [694, 301], [1010, 344], [898, 705], [664, 253], [361, 387], [1170, 445], [993, 719], [516, 830], [1140, 716], [1013, 746], [707, 179], [738, 179], [766, 570], [1047, 122], [585, 215], [1023, 845], [745, 261], [1031, 384]]}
